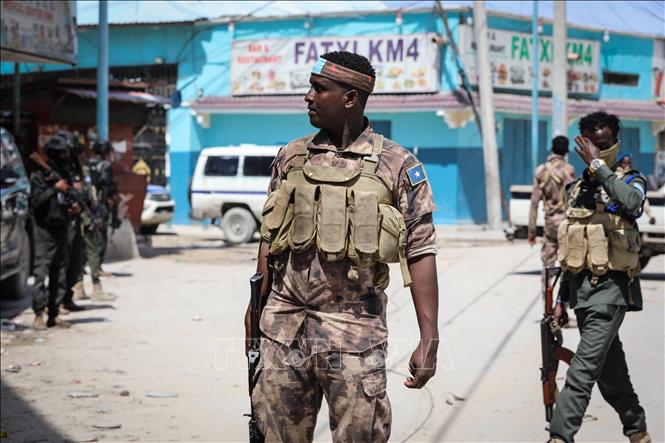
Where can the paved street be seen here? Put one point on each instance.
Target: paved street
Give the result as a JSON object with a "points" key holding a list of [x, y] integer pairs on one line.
{"points": [[165, 362]]}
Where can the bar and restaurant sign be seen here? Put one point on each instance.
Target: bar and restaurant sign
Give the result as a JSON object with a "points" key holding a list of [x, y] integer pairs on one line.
{"points": [[38, 31], [510, 61], [403, 63]]}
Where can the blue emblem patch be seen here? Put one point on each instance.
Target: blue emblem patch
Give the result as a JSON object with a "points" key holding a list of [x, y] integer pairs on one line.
{"points": [[416, 174], [318, 67]]}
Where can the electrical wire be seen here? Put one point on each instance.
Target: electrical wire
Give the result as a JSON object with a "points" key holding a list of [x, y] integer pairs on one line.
{"points": [[628, 26], [644, 9]]}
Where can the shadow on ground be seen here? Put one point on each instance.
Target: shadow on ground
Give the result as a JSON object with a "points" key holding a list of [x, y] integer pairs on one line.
{"points": [[148, 249], [21, 423], [651, 276], [78, 321]]}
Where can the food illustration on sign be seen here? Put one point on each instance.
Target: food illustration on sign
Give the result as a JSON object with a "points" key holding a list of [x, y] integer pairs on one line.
{"points": [[503, 74], [516, 75], [418, 73], [395, 72]]}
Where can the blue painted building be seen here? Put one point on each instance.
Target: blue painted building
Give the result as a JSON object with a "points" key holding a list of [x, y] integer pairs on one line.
{"points": [[437, 123]]}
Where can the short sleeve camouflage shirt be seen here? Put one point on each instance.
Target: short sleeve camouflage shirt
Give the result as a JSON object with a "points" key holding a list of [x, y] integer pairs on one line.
{"points": [[314, 298]]}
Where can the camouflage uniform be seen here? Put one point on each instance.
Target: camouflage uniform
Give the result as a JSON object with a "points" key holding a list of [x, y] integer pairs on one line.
{"points": [[549, 184], [325, 333]]}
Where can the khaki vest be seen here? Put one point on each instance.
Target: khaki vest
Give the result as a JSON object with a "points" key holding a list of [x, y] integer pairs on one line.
{"points": [[596, 240], [341, 212]]}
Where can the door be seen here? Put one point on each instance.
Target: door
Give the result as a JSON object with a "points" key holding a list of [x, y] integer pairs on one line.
{"points": [[515, 158]]}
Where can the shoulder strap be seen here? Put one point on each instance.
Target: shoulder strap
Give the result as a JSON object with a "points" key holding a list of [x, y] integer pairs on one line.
{"points": [[303, 152], [370, 162]]}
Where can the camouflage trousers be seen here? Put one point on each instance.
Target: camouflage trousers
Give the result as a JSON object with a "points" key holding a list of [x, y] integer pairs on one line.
{"points": [[550, 247], [291, 384]]}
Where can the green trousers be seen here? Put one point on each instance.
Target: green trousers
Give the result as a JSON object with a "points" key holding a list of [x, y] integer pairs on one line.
{"points": [[599, 358], [91, 240]]}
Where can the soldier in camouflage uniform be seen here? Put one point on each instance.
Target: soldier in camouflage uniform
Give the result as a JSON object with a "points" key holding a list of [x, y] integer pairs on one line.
{"points": [[598, 250], [324, 321], [549, 185]]}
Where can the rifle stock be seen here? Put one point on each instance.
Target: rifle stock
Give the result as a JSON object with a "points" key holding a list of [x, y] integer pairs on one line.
{"points": [[254, 351], [551, 342], [71, 195]]}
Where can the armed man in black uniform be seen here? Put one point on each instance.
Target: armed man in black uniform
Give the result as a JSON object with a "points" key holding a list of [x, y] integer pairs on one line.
{"points": [[53, 210], [598, 249]]}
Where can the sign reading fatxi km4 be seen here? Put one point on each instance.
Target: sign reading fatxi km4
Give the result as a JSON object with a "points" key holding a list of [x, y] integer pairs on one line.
{"points": [[510, 61], [403, 63]]}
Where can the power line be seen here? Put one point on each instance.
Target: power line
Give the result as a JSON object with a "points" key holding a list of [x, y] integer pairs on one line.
{"points": [[643, 7], [628, 27]]}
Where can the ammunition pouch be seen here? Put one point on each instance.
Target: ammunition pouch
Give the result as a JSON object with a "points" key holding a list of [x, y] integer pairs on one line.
{"points": [[599, 242], [344, 214]]}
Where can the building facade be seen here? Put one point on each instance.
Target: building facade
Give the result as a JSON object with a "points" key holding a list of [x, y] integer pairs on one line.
{"points": [[243, 81]]}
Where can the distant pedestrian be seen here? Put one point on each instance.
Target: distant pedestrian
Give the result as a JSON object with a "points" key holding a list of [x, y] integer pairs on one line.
{"points": [[549, 185]]}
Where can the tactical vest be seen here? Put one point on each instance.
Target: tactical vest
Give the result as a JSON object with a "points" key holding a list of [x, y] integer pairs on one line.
{"points": [[550, 174], [598, 239], [343, 213]]}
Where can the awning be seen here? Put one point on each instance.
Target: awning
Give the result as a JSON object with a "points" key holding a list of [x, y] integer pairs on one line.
{"points": [[506, 103], [120, 96]]}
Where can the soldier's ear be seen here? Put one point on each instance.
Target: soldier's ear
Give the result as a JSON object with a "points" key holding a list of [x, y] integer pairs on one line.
{"points": [[351, 98]]}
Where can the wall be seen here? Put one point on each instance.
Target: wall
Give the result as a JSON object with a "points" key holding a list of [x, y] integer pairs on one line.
{"points": [[453, 158]]}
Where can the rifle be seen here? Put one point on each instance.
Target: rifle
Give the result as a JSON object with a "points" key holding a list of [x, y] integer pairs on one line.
{"points": [[551, 341], [254, 351], [71, 196]]}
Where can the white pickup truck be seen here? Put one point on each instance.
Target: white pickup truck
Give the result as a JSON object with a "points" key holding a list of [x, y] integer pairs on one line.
{"points": [[230, 184], [653, 236]]}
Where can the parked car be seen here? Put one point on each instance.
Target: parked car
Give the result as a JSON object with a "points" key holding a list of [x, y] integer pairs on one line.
{"points": [[653, 236], [16, 233], [230, 184], [158, 207]]}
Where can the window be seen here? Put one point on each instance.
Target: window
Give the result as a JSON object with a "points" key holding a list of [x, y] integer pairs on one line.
{"points": [[257, 166], [620, 78], [221, 166]]}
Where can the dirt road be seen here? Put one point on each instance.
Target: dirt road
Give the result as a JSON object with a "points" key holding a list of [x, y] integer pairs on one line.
{"points": [[164, 362]]}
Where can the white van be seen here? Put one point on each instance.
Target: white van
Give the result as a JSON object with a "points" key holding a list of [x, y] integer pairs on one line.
{"points": [[231, 183]]}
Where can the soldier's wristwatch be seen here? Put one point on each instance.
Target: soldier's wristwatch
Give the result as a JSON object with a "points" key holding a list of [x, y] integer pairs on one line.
{"points": [[595, 164]]}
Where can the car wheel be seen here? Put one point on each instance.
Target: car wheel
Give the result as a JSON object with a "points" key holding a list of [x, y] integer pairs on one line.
{"points": [[238, 225], [149, 229], [644, 261], [15, 286]]}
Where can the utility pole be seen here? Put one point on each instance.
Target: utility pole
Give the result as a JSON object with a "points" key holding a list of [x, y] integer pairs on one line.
{"points": [[16, 108], [103, 72], [490, 151], [534, 85], [559, 74]]}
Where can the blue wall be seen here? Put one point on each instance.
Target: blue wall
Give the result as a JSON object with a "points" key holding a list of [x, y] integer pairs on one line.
{"points": [[452, 157]]}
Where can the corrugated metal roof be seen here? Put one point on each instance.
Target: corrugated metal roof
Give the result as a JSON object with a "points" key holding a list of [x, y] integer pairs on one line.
{"points": [[157, 11], [120, 96], [633, 17], [509, 103]]}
